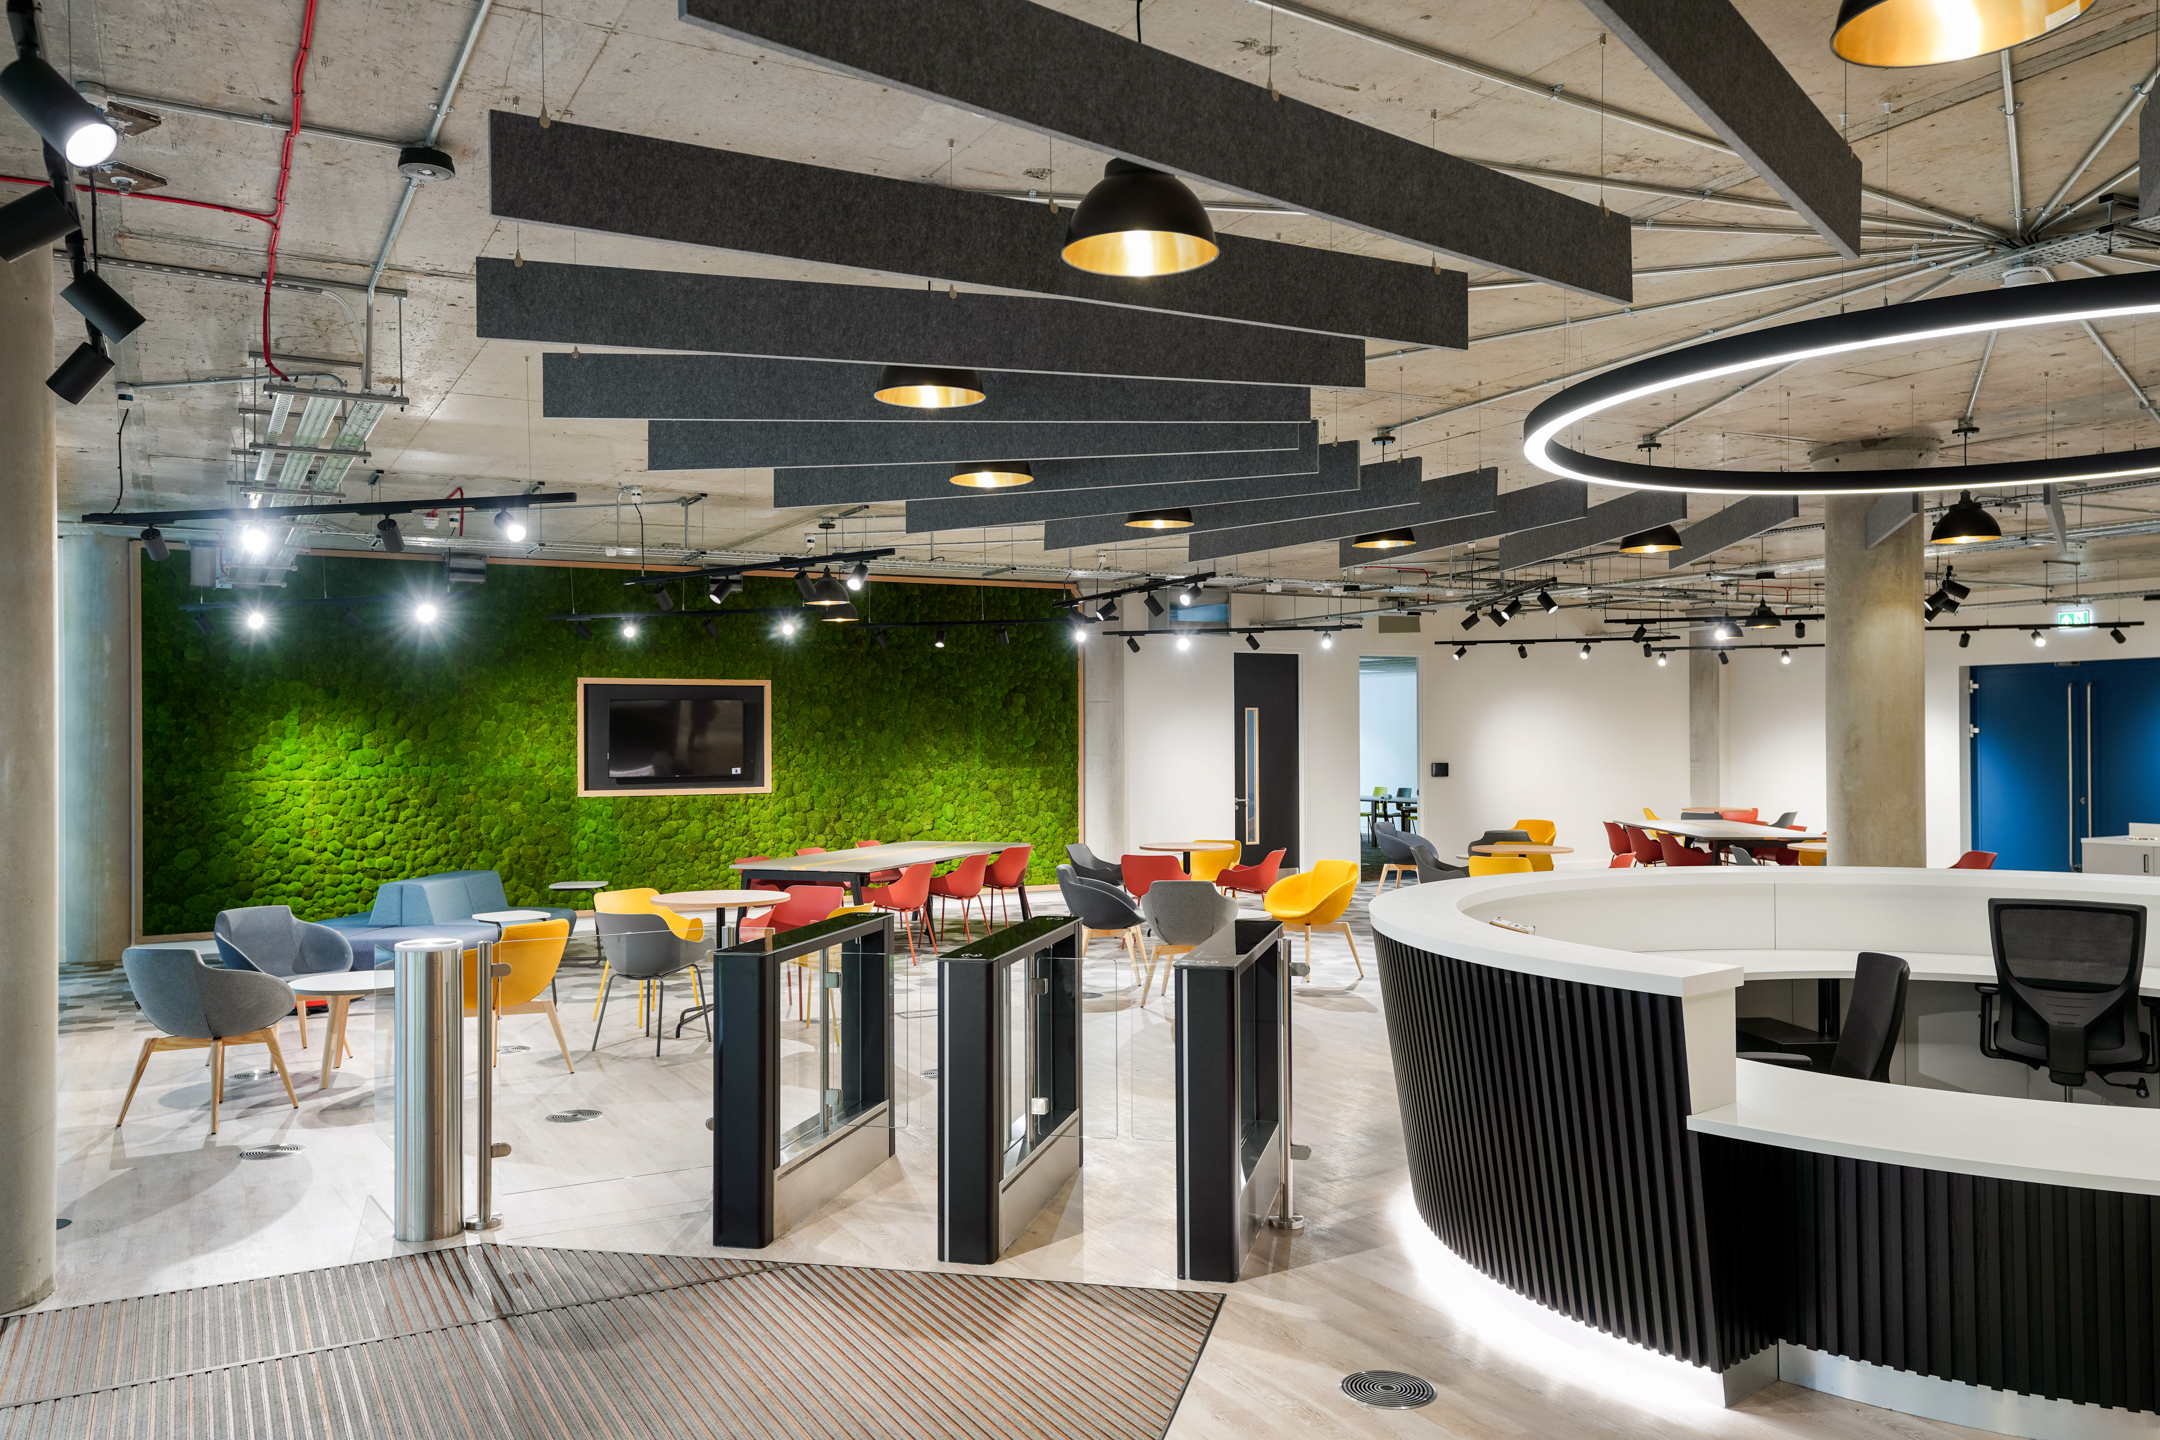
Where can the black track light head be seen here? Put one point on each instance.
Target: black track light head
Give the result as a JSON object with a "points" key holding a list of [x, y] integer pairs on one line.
{"points": [[1799, 629], [805, 586], [393, 539], [1132, 644], [202, 622], [57, 111], [1642, 632], [1928, 610], [1469, 621], [153, 544], [939, 643], [1724, 657], [719, 590], [1546, 602], [1648, 650], [1461, 650], [2115, 634], [1952, 587], [858, 575], [1252, 641], [1965, 641], [1522, 652], [664, 600], [1004, 635], [35, 222], [103, 307], [1108, 611], [1154, 606], [79, 374], [1497, 616], [584, 631], [1514, 607], [711, 628], [879, 637]]}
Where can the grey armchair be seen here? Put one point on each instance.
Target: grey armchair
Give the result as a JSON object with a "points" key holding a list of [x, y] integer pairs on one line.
{"points": [[268, 938], [1101, 910], [1431, 869], [200, 1007], [1184, 913], [641, 947], [1086, 865], [1394, 851]]}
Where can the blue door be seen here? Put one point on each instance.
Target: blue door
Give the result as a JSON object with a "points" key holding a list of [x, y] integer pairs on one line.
{"points": [[2063, 751]]}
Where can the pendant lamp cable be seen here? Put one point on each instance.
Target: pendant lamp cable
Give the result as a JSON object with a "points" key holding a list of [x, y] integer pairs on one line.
{"points": [[1601, 122]]}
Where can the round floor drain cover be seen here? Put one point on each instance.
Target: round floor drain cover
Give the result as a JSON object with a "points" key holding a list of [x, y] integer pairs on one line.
{"points": [[929, 1074], [1091, 994], [1388, 1389], [270, 1152], [571, 1117], [512, 1049]]}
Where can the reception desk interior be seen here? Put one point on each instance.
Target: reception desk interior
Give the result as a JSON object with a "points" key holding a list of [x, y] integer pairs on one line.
{"points": [[1972, 1241]]}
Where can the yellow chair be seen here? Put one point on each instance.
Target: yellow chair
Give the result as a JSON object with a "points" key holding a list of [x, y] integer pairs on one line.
{"points": [[640, 902], [1316, 900], [1648, 814], [532, 952], [1814, 857], [1500, 864], [1207, 864], [1541, 832]]}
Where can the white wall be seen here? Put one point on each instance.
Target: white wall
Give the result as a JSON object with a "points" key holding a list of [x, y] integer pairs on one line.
{"points": [[1178, 754], [1773, 722], [1387, 730]]}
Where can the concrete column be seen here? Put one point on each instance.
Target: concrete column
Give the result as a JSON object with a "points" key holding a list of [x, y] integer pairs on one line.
{"points": [[1874, 701], [1705, 730], [29, 889], [97, 792]]}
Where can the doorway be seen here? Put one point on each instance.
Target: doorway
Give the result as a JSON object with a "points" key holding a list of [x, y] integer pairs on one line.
{"points": [[1265, 700], [1387, 741], [2061, 752]]}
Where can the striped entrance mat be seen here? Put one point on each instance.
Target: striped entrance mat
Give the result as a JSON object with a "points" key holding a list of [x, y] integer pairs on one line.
{"points": [[515, 1341]]}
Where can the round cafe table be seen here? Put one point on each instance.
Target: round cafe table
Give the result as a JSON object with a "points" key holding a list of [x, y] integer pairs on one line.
{"points": [[711, 902], [1183, 849], [1811, 847], [1518, 847], [341, 988], [509, 917]]}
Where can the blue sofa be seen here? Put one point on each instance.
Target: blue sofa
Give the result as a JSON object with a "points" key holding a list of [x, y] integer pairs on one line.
{"points": [[432, 905]]}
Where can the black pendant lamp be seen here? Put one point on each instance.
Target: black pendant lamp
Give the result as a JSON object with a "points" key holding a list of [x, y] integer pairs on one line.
{"points": [[1964, 523], [929, 387], [1655, 541], [1762, 617], [1000, 475], [827, 591], [1896, 33], [1400, 538], [1139, 222], [1177, 517]]}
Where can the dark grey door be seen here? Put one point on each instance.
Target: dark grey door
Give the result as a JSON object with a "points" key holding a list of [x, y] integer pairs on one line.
{"points": [[1266, 691]]}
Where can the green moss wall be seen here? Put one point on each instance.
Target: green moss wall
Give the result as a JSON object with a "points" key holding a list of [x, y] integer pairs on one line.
{"points": [[306, 766]]}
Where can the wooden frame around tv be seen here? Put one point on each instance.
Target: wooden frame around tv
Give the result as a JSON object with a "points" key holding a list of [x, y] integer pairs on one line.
{"points": [[718, 791]]}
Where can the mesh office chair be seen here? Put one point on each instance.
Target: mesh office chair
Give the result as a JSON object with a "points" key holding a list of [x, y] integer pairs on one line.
{"points": [[1870, 1033], [2066, 977]]}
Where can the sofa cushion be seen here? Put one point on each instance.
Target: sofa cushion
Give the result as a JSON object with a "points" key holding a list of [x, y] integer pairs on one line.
{"points": [[483, 889]]}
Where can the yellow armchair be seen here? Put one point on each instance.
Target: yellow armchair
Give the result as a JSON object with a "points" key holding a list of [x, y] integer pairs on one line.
{"points": [[1207, 864], [1541, 832], [1502, 864], [533, 952], [1316, 900]]}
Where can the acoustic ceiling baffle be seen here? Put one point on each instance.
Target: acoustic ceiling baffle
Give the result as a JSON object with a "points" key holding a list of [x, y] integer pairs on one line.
{"points": [[1535, 505], [1709, 56], [1609, 521], [759, 444], [859, 484], [1391, 484], [735, 387], [1741, 520], [1451, 497], [884, 325], [605, 181], [1338, 471], [1150, 106]]}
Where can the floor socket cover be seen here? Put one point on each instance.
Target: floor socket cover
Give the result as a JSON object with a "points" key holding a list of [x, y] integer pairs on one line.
{"points": [[571, 1117], [1388, 1389], [270, 1152]]}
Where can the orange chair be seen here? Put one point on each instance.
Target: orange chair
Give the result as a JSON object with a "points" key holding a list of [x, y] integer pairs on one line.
{"points": [[1255, 879], [1745, 817], [1645, 843], [908, 897], [1975, 860], [1616, 840], [876, 877], [1007, 872], [1141, 871], [1678, 854], [532, 951], [963, 885], [805, 905], [756, 860]]}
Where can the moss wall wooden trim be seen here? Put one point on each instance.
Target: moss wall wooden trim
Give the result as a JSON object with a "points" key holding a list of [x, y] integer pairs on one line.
{"points": [[307, 765]]}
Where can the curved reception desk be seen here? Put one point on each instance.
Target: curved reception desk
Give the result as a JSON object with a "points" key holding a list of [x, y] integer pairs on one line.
{"points": [[1960, 1243]]}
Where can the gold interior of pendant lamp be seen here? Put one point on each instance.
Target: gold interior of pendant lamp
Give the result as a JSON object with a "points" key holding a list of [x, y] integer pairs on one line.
{"points": [[1897, 33], [1136, 253], [995, 477]]}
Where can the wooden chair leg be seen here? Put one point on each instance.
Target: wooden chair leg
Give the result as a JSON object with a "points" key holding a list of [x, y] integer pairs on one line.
{"points": [[603, 987], [141, 1065], [561, 1044], [217, 1081], [1344, 926], [300, 1014], [277, 1058]]}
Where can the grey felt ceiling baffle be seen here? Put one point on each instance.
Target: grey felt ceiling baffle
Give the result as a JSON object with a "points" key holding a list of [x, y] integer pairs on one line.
{"points": [[1710, 57], [957, 510], [1527, 508], [1741, 520], [1450, 497], [856, 484], [1637, 510], [602, 180], [1058, 75], [1393, 483], [883, 325], [762, 444], [735, 387]]}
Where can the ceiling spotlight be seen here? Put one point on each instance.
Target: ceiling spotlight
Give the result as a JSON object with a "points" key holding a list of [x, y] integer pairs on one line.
{"points": [[1522, 652], [79, 374], [393, 539], [1784, 657], [1005, 634], [787, 626], [940, 641], [1964, 523], [253, 540], [255, 620], [1079, 633], [1965, 640], [1724, 657], [1951, 587], [1184, 642], [929, 387], [1461, 650], [1400, 538], [423, 162], [511, 523], [719, 590], [1762, 617], [425, 612], [629, 629], [153, 543], [1154, 606], [53, 108], [202, 622], [878, 636], [103, 307], [1585, 651], [584, 631], [1661, 659], [1893, 34], [1175, 517], [1642, 633], [1496, 615], [1469, 621], [1252, 641], [35, 222], [1108, 611], [1648, 650], [2039, 640], [712, 630], [1944, 602], [1514, 607], [2115, 634], [1928, 610], [804, 586], [1799, 629], [1547, 603], [827, 591], [1190, 595], [1003, 475], [858, 575], [664, 600], [1132, 644], [1655, 541], [1327, 641], [1139, 222]]}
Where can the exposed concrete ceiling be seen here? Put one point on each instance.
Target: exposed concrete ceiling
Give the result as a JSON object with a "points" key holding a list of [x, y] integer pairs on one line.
{"points": [[1937, 138]]}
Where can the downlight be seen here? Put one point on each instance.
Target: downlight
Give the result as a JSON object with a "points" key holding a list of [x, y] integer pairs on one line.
{"points": [[1004, 475], [511, 523], [423, 162], [929, 387], [60, 115], [859, 575], [1895, 34], [1138, 222], [1964, 523]]}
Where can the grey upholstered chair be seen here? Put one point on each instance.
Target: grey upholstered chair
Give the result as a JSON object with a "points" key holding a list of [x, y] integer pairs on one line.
{"points": [[1184, 913], [201, 1007], [268, 938], [1086, 865], [1101, 909], [1431, 869], [641, 947], [1395, 847]]}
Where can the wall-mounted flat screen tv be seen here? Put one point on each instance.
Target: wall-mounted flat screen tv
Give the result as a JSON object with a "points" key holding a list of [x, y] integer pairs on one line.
{"points": [[674, 737]]}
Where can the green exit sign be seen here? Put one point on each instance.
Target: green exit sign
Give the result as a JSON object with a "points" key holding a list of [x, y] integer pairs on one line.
{"points": [[2074, 619]]}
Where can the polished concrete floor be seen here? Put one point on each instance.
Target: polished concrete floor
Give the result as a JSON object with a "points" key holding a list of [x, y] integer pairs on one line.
{"points": [[161, 1203]]}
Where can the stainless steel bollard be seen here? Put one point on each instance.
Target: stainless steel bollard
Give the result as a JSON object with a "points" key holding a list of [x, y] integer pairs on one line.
{"points": [[429, 1045]]}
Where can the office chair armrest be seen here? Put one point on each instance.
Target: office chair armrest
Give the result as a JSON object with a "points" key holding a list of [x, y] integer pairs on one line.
{"points": [[1776, 1057], [1987, 1023]]}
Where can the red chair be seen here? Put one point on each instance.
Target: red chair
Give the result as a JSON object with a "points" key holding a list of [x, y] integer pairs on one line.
{"points": [[876, 877], [811, 850], [909, 896], [1252, 879], [757, 860], [805, 905], [1141, 871], [1677, 854], [1623, 850], [1647, 851], [1975, 860], [1745, 817], [963, 885], [1007, 872]]}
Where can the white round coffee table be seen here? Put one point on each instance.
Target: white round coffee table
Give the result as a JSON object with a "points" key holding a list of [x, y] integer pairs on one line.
{"points": [[341, 988], [510, 917]]}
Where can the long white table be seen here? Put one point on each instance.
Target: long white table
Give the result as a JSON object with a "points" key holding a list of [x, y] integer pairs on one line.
{"points": [[1730, 832], [852, 866]]}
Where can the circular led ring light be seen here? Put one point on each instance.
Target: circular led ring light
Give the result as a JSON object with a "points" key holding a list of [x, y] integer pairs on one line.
{"points": [[2065, 302]]}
